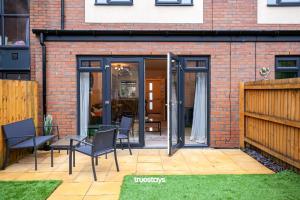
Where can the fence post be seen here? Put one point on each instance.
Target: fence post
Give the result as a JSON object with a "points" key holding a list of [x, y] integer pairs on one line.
{"points": [[242, 116]]}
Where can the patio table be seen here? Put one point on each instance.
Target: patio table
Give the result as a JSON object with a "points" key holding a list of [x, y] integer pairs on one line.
{"points": [[64, 144]]}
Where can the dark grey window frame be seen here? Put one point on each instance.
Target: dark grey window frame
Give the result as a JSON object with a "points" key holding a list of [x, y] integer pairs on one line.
{"points": [[115, 3], [3, 15], [175, 3], [279, 3], [287, 69]]}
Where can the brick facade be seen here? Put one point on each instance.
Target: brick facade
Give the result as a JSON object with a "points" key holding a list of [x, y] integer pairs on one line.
{"points": [[230, 62]]}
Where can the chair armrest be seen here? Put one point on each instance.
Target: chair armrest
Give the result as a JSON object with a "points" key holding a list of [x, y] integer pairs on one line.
{"points": [[107, 125], [80, 141]]}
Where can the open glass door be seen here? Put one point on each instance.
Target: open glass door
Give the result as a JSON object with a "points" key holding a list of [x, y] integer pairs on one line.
{"points": [[173, 104]]}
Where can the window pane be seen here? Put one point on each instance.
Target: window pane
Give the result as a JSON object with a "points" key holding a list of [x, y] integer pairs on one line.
{"points": [[196, 63], [1, 33], [90, 63], [91, 102], [16, 7], [16, 31], [281, 75], [287, 63]]}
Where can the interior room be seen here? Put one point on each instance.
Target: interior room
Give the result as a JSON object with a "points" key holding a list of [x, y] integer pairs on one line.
{"points": [[155, 103]]}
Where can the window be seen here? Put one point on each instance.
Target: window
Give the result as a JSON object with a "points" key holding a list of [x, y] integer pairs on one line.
{"points": [[287, 67], [283, 2], [196, 63], [114, 2], [174, 2], [14, 22]]}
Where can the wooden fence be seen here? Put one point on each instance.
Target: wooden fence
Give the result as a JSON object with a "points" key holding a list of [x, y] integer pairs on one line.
{"points": [[270, 118], [18, 100]]}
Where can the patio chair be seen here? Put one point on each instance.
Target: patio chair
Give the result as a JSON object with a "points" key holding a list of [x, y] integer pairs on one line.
{"points": [[124, 130], [103, 142], [22, 135]]}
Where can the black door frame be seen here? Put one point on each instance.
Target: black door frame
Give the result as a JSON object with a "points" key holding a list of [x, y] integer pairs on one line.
{"points": [[106, 74]]}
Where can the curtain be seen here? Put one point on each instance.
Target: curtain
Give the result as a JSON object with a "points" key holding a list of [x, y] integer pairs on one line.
{"points": [[84, 102], [174, 104], [199, 126]]}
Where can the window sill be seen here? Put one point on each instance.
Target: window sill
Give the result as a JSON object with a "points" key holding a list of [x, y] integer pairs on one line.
{"points": [[113, 4], [170, 4], [284, 5]]}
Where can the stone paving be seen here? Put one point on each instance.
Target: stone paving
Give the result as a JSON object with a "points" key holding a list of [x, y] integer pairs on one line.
{"points": [[80, 185]]}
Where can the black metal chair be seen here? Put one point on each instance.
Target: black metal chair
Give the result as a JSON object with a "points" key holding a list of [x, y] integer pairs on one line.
{"points": [[22, 135], [124, 130], [104, 142]]}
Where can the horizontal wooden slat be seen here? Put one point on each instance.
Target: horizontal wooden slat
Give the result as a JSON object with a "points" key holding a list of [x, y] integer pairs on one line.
{"points": [[273, 87], [277, 120], [273, 153]]}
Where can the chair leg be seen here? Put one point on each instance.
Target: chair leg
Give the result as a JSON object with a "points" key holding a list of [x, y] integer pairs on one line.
{"points": [[35, 158], [116, 160], [5, 163], [129, 147], [97, 160], [106, 156], [67, 152], [51, 157], [73, 157], [121, 144], [94, 170]]}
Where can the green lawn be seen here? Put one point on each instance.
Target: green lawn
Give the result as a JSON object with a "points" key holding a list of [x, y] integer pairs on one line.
{"points": [[281, 186], [27, 190]]}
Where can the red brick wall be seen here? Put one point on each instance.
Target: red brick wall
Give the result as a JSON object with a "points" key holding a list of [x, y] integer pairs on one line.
{"points": [[61, 76], [218, 15], [230, 63]]}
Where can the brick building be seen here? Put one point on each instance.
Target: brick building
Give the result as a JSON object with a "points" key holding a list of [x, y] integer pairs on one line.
{"points": [[174, 66]]}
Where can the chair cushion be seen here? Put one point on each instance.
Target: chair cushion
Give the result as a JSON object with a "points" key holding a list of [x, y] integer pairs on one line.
{"points": [[122, 136], [40, 140]]}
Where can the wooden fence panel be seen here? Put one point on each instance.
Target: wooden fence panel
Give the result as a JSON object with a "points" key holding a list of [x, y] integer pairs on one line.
{"points": [[18, 101], [270, 118]]}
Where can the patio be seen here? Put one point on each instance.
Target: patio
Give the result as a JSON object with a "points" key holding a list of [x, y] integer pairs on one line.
{"points": [[80, 185]]}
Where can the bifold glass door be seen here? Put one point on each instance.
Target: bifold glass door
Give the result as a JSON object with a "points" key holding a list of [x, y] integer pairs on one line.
{"points": [[108, 89], [174, 103]]}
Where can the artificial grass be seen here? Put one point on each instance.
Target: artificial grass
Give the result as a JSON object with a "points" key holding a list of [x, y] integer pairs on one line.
{"points": [[284, 185], [27, 190]]}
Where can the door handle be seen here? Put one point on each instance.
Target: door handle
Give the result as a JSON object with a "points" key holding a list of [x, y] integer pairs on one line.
{"points": [[106, 102]]}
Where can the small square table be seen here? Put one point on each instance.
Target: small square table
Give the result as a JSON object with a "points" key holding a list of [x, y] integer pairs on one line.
{"points": [[64, 144]]}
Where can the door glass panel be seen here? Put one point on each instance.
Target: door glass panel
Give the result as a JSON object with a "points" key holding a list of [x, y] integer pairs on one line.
{"points": [[174, 104], [91, 102], [195, 108], [125, 94]]}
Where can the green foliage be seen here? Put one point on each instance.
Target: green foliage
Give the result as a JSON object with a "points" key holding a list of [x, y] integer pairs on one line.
{"points": [[48, 124]]}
